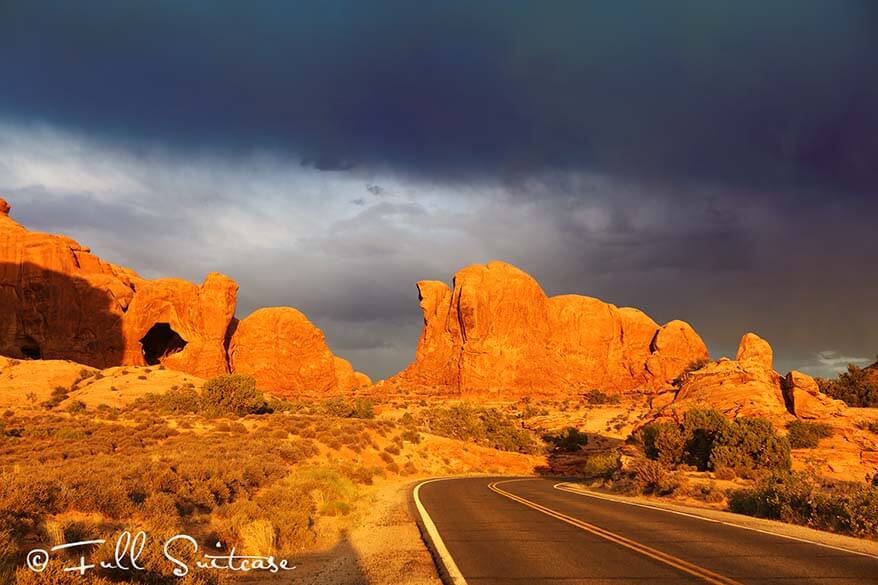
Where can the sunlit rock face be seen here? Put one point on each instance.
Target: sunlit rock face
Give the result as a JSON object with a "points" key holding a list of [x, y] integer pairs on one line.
{"points": [[496, 331], [288, 355], [749, 386]]}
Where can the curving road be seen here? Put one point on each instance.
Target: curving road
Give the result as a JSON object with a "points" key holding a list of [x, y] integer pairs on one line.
{"points": [[536, 531]]}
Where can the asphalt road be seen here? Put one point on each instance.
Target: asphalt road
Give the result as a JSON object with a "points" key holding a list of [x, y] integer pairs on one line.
{"points": [[530, 532]]}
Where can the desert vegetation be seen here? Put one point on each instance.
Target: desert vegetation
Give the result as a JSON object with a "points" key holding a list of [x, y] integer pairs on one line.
{"points": [[706, 440], [804, 434], [803, 498], [484, 426], [222, 462], [856, 387]]}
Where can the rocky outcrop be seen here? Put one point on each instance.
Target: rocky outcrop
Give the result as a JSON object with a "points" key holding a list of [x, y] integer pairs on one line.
{"points": [[181, 325], [496, 331], [749, 386], [288, 355], [805, 400], [734, 388], [59, 301], [756, 350]]}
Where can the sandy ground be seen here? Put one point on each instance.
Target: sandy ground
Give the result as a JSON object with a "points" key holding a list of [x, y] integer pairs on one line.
{"points": [[380, 546]]}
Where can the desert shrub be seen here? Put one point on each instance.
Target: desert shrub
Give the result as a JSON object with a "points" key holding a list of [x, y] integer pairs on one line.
{"points": [[800, 498], [700, 429], [231, 394], [76, 407], [663, 442], [59, 395], [806, 434], [750, 443], [855, 387], [483, 426], [177, 400], [871, 426], [651, 477], [708, 441], [725, 473], [569, 440], [343, 407], [597, 397], [412, 436], [603, 465]]}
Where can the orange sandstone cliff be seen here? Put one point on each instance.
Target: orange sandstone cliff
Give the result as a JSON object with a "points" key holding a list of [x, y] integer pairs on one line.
{"points": [[60, 301], [288, 355], [496, 331]]}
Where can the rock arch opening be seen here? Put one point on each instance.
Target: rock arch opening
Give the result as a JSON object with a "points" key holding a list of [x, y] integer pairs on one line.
{"points": [[160, 342], [30, 349]]}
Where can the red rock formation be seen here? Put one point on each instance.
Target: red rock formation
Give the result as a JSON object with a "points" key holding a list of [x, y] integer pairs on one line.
{"points": [[181, 325], [59, 301], [749, 386], [497, 331], [805, 400], [753, 348], [288, 355]]}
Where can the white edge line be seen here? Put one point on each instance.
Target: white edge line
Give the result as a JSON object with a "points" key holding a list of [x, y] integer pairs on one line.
{"points": [[574, 489], [447, 560]]}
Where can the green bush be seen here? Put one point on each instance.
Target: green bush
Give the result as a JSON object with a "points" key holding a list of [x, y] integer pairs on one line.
{"points": [[750, 443], [59, 395], [343, 407], [603, 465], [700, 429], [568, 440], [231, 394], [806, 434], [177, 400], [855, 387], [483, 426], [709, 441], [800, 498], [663, 442], [651, 477]]}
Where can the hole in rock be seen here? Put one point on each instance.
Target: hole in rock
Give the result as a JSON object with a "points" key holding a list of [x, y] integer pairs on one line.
{"points": [[31, 350], [160, 342]]}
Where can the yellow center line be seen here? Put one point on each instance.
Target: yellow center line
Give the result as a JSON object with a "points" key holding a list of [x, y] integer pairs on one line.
{"points": [[676, 562]]}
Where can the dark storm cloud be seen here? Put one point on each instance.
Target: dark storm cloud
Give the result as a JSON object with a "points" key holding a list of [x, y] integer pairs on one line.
{"points": [[711, 161], [768, 95]]}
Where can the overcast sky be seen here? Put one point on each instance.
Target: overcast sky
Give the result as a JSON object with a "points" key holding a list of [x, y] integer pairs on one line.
{"points": [[710, 161]]}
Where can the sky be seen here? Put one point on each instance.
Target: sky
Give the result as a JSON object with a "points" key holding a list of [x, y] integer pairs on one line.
{"points": [[715, 161]]}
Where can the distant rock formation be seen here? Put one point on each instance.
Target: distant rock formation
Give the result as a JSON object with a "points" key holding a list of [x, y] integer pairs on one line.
{"points": [[749, 386], [288, 355], [496, 331], [181, 325], [59, 301]]}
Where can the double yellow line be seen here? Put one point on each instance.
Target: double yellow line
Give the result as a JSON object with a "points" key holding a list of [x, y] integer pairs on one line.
{"points": [[676, 562]]}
